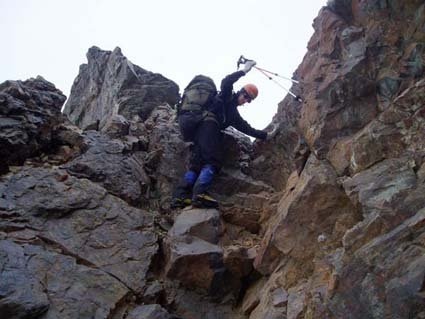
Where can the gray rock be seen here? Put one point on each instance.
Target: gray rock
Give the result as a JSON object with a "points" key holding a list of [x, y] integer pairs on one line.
{"points": [[150, 312], [194, 262], [202, 223], [38, 281], [385, 276], [279, 297], [29, 114], [75, 290], [110, 84], [381, 184], [108, 163], [296, 302], [116, 126], [155, 293], [387, 193], [190, 304], [168, 154], [83, 221], [21, 294]]}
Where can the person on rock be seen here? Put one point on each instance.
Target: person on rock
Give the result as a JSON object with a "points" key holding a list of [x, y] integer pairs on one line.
{"points": [[207, 151]]}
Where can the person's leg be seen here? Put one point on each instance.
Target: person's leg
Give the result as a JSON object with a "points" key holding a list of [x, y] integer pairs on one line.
{"points": [[204, 180], [183, 192], [209, 139], [182, 195]]}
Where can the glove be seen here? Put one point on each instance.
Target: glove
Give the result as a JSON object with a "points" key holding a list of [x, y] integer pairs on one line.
{"points": [[271, 135], [248, 66]]}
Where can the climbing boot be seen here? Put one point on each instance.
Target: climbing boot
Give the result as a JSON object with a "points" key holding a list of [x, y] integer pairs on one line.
{"points": [[204, 201], [183, 192], [180, 203]]}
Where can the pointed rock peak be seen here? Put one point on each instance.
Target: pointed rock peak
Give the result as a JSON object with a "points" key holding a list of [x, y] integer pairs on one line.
{"points": [[117, 51], [95, 53], [136, 92]]}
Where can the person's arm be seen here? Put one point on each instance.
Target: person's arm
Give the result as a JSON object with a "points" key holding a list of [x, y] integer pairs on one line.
{"points": [[241, 125], [226, 87]]}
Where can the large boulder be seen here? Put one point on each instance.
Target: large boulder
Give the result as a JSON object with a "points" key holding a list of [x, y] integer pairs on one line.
{"points": [[30, 113], [243, 199], [192, 254], [202, 223]]}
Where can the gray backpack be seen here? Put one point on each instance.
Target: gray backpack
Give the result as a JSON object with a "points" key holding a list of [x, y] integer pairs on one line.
{"points": [[193, 106], [198, 94]]}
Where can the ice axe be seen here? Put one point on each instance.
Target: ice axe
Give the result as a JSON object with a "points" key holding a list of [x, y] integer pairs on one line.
{"points": [[243, 60]]}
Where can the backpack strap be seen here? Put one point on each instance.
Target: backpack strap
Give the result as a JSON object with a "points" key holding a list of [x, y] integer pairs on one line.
{"points": [[210, 116], [191, 107]]}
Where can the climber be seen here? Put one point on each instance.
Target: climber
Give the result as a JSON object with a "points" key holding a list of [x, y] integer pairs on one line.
{"points": [[207, 149]]}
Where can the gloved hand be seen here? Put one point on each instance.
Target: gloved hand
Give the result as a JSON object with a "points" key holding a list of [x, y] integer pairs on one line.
{"points": [[248, 66], [271, 135]]}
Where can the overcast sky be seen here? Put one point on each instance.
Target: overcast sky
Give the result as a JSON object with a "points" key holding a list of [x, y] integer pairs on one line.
{"points": [[177, 38]]}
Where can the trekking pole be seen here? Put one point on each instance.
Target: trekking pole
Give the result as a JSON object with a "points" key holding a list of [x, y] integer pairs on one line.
{"points": [[275, 74], [243, 60], [297, 97]]}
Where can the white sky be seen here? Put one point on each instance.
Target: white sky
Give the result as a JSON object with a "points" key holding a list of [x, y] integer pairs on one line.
{"points": [[177, 38]]}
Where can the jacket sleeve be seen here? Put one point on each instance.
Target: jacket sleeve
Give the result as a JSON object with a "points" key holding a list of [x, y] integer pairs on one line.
{"points": [[227, 84], [241, 125]]}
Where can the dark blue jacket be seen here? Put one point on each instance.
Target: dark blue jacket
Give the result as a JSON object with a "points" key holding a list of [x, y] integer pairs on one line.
{"points": [[225, 107]]}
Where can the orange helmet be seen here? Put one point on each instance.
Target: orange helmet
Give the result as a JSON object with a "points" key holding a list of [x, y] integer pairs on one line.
{"points": [[251, 90]]}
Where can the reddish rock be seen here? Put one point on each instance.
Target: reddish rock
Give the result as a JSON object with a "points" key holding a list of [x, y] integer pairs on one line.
{"points": [[303, 214]]}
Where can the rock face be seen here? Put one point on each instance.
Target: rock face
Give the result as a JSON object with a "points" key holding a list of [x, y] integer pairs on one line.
{"points": [[346, 238], [325, 221], [92, 238]]}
